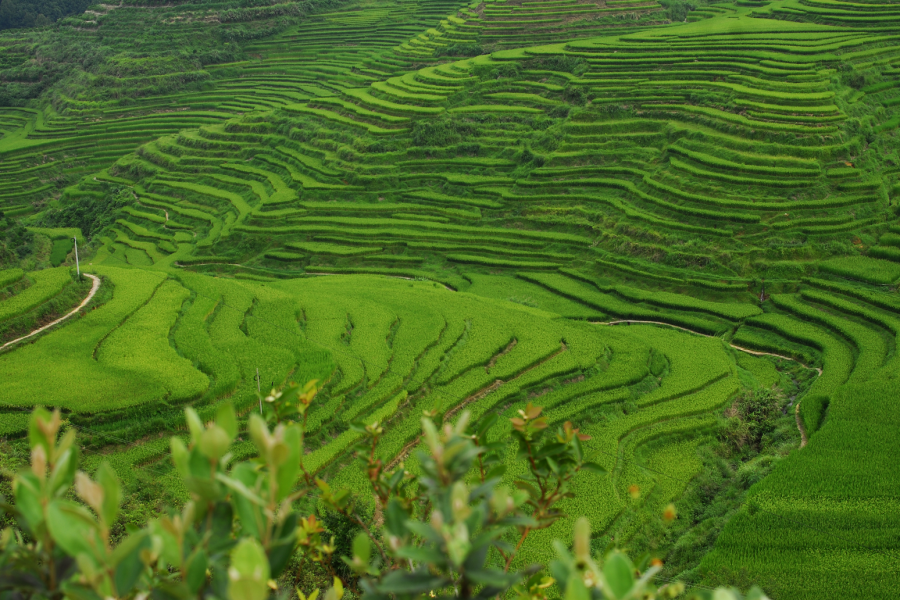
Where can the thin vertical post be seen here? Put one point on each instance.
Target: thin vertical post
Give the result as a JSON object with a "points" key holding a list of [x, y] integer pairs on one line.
{"points": [[77, 267], [258, 391]]}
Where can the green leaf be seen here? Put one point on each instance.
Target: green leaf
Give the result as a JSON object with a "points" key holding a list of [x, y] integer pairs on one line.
{"points": [[194, 424], [196, 571], [422, 554], [755, 593], [259, 432], [248, 574], [129, 566], [77, 591], [553, 466], [204, 488], [395, 518], [226, 419], [63, 472], [576, 590], [528, 487], [579, 451], [221, 524], [619, 574], [171, 590], [36, 437], [492, 577], [424, 531], [496, 472], [396, 479], [362, 548], [170, 552], [180, 457], [517, 521], [214, 443], [594, 468], [246, 503], [431, 435], [112, 492], [485, 423], [552, 449], [290, 468], [335, 592], [495, 447], [282, 545], [27, 491], [198, 464], [416, 582], [74, 529]]}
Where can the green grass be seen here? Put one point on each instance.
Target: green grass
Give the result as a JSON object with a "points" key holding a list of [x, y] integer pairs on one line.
{"points": [[282, 193], [62, 363], [861, 268], [9, 276], [333, 249], [140, 347], [60, 250], [499, 262], [494, 108], [44, 285], [57, 233]]}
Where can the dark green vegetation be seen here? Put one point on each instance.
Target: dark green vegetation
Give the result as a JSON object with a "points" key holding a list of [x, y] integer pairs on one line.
{"points": [[37, 13], [527, 174]]}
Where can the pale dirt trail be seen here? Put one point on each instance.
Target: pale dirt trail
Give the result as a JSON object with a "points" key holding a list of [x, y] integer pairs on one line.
{"points": [[800, 426], [747, 350], [803, 437], [94, 288]]}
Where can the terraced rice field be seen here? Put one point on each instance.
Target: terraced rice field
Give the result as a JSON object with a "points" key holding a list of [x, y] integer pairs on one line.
{"points": [[433, 206]]}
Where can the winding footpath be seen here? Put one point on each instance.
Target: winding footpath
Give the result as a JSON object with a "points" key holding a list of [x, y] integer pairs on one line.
{"points": [[94, 288]]}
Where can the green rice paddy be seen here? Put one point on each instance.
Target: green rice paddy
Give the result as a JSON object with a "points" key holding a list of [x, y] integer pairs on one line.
{"points": [[431, 206]]}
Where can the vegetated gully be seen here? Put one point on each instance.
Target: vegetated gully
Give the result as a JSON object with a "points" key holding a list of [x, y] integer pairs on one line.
{"points": [[803, 437]]}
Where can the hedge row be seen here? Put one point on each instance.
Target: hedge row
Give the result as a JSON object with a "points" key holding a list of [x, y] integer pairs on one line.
{"points": [[861, 268], [376, 223], [703, 173], [710, 284], [630, 187], [750, 169]]}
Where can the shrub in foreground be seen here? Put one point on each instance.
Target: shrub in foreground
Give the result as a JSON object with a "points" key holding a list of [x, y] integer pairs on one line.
{"points": [[451, 531]]}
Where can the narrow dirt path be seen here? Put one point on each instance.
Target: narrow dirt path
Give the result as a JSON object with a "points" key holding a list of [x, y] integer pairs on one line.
{"points": [[803, 437], [747, 350], [630, 321], [758, 353], [94, 288], [800, 426]]}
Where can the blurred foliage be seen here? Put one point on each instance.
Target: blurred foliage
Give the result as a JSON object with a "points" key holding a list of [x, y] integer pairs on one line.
{"points": [[448, 531]]}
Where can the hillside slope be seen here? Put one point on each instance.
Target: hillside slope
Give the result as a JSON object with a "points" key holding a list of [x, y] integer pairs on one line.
{"points": [[527, 174]]}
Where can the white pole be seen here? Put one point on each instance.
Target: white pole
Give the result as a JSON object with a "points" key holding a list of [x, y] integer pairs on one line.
{"points": [[77, 267], [258, 390]]}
